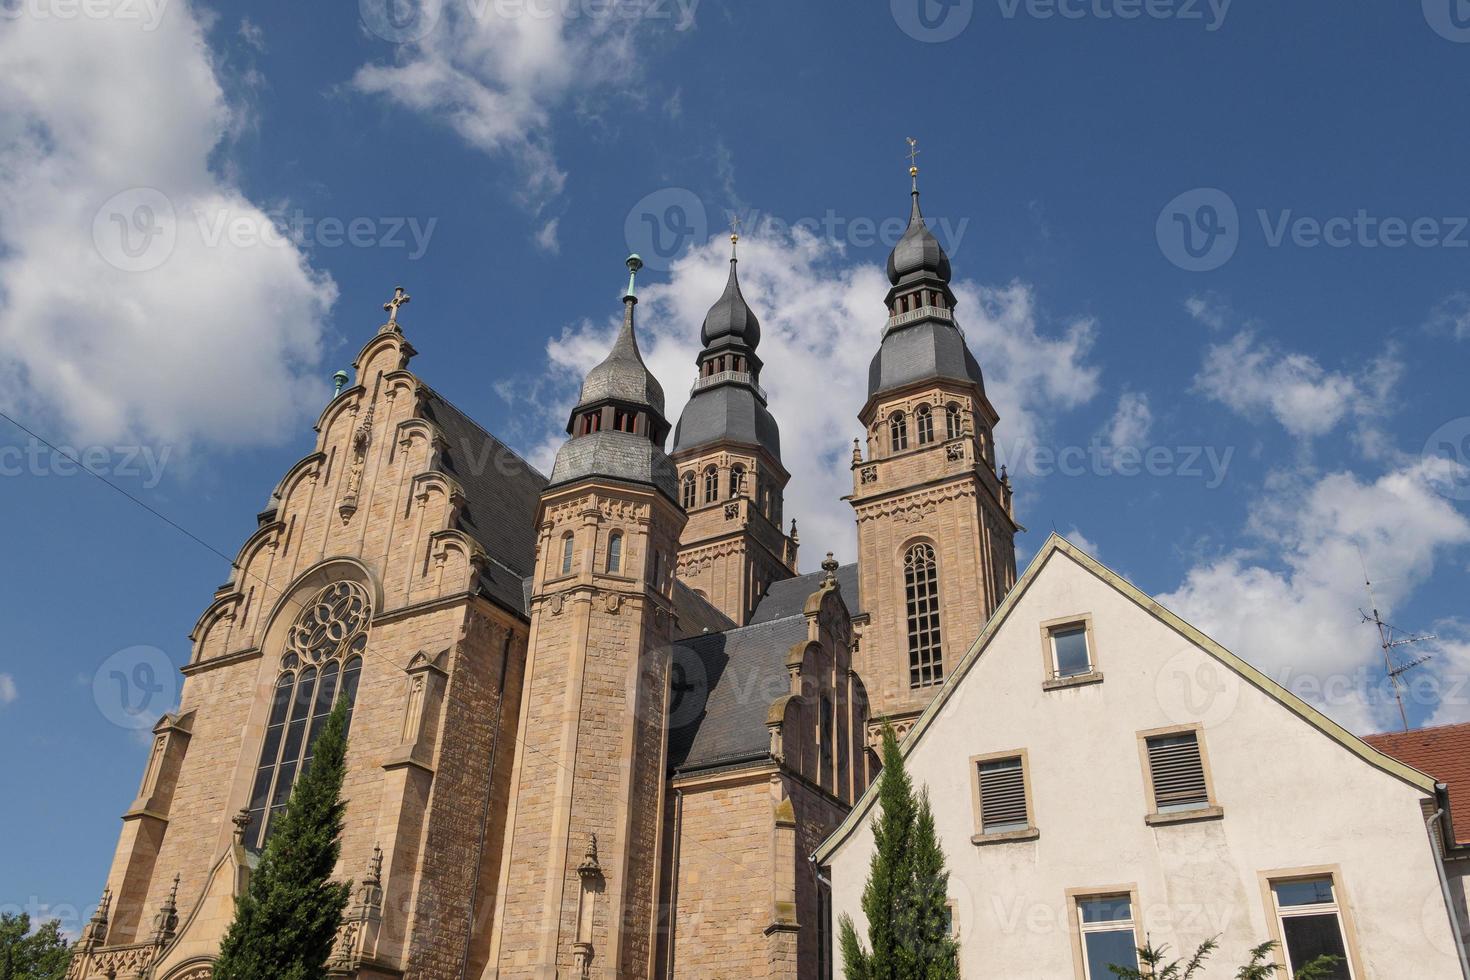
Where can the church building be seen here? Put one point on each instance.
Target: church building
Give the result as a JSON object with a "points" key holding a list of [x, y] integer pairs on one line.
{"points": [[600, 722]]}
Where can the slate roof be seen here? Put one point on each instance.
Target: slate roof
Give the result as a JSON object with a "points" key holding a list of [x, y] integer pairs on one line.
{"points": [[723, 685], [919, 351], [621, 455], [727, 413], [501, 494], [1442, 752], [788, 597]]}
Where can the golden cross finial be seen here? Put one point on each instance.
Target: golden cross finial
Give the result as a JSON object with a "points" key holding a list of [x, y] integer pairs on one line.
{"points": [[399, 298], [734, 232], [913, 154]]}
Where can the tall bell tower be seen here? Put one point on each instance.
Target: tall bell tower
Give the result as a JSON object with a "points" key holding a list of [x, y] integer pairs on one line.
{"points": [[936, 531], [728, 451], [578, 885]]}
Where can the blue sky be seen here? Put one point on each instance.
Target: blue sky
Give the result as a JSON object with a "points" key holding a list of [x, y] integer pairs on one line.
{"points": [[1212, 259]]}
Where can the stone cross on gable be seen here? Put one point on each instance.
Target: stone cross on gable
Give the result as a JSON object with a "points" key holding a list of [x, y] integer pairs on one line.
{"points": [[399, 299]]}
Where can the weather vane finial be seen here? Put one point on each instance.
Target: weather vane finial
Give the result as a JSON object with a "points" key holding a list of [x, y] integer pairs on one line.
{"points": [[734, 233], [914, 152]]}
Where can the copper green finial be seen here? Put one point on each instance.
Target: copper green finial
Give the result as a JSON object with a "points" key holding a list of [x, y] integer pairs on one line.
{"points": [[634, 264], [340, 379]]}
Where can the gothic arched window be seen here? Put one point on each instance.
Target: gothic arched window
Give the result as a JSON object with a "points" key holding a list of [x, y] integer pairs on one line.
{"points": [[615, 552], [322, 663], [898, 432], [921, 589], [951, 421], [737, 480], [711, 485], [924, 424], [687, 491], [566, 553]]}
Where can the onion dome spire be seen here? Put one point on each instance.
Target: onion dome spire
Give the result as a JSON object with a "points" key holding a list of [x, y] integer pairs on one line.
{"points": [[918, 253], [727, 405], [731, 320]]}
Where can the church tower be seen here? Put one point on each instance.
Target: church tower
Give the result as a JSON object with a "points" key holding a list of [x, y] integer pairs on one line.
{"points": [[728, 451], [578, 884], [936, 529]]}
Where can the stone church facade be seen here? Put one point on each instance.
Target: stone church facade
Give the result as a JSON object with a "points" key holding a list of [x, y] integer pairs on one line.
{"points": [[599, 721]]}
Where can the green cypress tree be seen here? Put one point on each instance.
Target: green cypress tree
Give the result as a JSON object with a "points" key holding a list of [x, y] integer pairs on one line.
{"points": [[286, 922], [905, 897]]}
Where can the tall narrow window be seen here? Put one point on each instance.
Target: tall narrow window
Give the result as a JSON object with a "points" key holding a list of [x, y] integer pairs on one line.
{"points": [[687, 491], [615, 552], [322, 662], [951, 421], [566, 553], [898, 432], [924, 424], [1109, 936], [711, 485], [737, 480], [1310, 921], [921, 589]]}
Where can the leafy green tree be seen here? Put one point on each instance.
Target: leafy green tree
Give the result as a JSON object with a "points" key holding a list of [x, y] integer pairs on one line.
{"points": [[286, 922], [1261, 966], [1154, 967], [26, 955], [905, 899]]}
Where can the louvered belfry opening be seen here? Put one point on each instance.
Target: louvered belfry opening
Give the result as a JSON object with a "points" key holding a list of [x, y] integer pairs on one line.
{"points": [[1177, 771], [1003, 796]]}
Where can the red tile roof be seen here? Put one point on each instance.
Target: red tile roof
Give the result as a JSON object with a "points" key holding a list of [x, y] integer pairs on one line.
{"points": [[1443, 753]]}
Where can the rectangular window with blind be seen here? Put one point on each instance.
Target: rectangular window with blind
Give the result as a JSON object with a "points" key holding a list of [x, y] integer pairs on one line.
{"points": [[1177, 774], [1001, 788]]}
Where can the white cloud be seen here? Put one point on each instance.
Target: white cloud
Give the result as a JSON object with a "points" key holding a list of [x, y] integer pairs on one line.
{"points": [[1290, 604], [1084, 542], [252, 34], [1208, 309], [1132, 422], [216, 342], [546, 238], [1451, 316], [496, 72], [822, 318], [8, 692], [1255, 377]]}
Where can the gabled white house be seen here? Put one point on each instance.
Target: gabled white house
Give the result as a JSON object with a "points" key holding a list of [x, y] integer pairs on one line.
{"points": [[1102, 772]]}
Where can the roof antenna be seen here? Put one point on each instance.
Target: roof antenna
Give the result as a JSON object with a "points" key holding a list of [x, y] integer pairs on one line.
{"points": [[1387, 642]]}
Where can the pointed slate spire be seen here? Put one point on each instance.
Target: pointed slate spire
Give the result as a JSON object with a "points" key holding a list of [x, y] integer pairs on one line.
{"points": [[618, 427], [622, 376]]}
